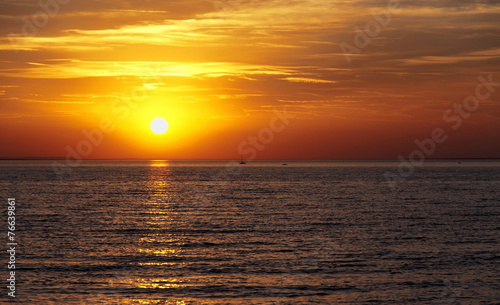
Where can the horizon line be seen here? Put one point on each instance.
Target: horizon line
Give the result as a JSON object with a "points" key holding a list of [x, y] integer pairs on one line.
{"points": [[311, 160]]}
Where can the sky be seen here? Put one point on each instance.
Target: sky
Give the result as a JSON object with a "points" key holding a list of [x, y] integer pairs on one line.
{"points": [[310, 79]]}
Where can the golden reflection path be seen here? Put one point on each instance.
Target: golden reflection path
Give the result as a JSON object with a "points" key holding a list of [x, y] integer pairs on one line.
{"points": [[156, 244]]}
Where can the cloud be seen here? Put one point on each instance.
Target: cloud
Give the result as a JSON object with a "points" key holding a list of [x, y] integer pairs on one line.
{"points": [[252, 55]]}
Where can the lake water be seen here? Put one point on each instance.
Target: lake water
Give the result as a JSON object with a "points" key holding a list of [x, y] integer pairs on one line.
{"points": [[159, 232]]}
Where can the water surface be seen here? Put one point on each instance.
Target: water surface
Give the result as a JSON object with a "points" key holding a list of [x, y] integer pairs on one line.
{"points": [[210, 232]]}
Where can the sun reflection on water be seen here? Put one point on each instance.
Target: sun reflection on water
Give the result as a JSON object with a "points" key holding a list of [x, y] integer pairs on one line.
{"points": [[159, 184], [158, 252], [158, 283], [159, 163], [158, 216]]}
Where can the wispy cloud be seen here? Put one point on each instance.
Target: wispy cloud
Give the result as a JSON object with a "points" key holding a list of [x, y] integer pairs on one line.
{"points": [[249, 58]]}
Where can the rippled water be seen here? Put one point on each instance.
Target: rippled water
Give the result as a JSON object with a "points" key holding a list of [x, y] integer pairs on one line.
{"points": [[158, 232]]}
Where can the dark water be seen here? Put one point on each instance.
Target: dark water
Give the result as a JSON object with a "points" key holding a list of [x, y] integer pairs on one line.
{"points": [[161, 232]]}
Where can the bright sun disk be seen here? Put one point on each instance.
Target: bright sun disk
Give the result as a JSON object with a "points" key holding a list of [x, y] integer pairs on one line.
{"points": [[159, 126]]}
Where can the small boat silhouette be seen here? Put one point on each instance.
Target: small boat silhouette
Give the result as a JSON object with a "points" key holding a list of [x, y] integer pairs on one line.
{"points": [[241, 160]]}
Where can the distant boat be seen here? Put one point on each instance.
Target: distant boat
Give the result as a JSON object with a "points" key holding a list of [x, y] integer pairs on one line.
{"points": [[284, 164], [241, 160]]}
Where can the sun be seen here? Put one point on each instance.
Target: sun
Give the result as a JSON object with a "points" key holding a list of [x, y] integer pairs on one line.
{"points": [[159, 126]]}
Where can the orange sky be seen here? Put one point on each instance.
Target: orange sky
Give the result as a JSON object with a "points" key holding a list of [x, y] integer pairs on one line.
{"points": [[219, 71]]}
